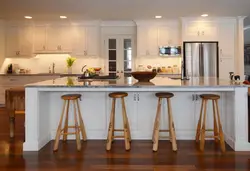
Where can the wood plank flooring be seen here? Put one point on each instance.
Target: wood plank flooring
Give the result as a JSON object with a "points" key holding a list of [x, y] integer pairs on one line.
{"points": [[94, 157]]}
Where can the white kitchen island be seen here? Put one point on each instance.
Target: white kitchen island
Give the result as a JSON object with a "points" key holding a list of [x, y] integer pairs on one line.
{"points": [[44, 107]]}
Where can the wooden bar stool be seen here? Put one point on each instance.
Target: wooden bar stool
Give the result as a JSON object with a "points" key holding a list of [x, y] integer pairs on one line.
{"points": [[74, 98], [167, 96], [126, 128], [200, 132]]}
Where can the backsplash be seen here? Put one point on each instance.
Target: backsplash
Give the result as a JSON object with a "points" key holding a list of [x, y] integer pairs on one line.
{"points": [[41, 63]]}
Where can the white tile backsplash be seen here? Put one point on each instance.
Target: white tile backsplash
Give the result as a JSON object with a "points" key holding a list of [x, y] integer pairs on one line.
{"points": [[41, 63]]}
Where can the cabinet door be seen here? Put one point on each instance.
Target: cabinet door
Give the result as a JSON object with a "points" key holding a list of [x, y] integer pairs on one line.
{"points": [[26, 40], [79, 40], [53, 38], [152, 40], [142, 41], [226, 40], [12, 41], [191, 32], [65, 39], [208, 32], [39, 38], [92, 41], [168, 36], [226, 65]]}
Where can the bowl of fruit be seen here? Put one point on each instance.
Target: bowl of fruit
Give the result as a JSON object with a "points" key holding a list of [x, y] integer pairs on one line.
{"points": [[144, 76]]}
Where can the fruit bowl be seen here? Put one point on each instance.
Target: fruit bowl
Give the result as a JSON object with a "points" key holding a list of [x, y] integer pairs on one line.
{"points": [[97, 69], [143, 76]]}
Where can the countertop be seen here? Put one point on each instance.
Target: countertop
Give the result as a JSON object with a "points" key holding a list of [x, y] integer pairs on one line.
{"points": [[131, 82], [41, 74]]}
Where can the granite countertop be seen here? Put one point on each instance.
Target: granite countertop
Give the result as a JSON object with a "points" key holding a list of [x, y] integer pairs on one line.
{"points": [[131, 82]]}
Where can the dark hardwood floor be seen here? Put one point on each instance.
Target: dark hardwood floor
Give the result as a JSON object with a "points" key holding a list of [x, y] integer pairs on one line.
{"points": [[94, 157]]}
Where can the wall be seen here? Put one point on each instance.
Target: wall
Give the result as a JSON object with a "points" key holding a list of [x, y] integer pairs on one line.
{"points": [[247, 36], [2, 42]]}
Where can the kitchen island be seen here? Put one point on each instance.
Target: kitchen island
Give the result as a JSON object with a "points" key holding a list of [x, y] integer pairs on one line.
{"points": [[44, 107]]}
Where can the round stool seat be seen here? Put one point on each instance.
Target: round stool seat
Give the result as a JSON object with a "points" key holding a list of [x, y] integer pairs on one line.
{"points": [[118, 94], [71, 96], [164, 95], [210, 96]]}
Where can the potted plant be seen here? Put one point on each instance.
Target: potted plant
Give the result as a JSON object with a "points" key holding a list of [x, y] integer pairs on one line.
{"points": [[70, 61]]}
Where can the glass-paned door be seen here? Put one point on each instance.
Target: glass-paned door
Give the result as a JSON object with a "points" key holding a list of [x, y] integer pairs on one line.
{"points": [[120, 55]]}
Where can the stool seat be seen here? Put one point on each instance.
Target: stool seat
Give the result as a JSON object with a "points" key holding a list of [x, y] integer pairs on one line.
{"points": [[164, 95], [118, 94], [210, 96], [71, 96]]}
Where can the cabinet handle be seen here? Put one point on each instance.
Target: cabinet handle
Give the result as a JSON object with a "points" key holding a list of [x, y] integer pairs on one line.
{"points": [[134, 97], [198, 33], [192, 97], [16, 52], [138, 97], [86, 53], [196, 97], [43, 47], [203, 33]]}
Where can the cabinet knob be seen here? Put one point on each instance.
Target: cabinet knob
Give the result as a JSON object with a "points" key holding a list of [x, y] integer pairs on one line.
{"points": [[121, 71]]}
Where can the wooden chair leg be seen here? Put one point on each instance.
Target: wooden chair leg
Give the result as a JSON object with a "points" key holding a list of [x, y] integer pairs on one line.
{"points": [[124, 108], [203, 131], [198, 129], [157, 125], [12, 123], [222, 142], [215, 123], [111, 126], [58, 132], [125, 123], [66, 123], [171, 126], [78, 140], [82, 126]]}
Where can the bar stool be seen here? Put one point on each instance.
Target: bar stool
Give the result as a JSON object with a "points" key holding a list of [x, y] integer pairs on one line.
{"points": [[167, 96], [126, 128], [74, 98], [200, 132]]}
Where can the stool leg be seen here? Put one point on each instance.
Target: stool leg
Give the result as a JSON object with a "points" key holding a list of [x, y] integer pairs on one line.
{"points": [[198, 129], [222, 142], [82, 127], [124, 108], [58, 132], [203, 131], [125, 123], [111, 127], [78, 140], [66, 123], [157, 125], [171, 126], [215, 123]]}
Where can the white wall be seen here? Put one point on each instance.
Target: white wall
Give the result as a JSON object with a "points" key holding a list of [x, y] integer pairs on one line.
{"points": [[2, 42]]}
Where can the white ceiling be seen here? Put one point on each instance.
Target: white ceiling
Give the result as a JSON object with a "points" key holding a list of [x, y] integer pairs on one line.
{"points": [[121, 9]]}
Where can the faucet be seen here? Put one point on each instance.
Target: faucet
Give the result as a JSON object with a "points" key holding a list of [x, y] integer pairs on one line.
{"points": [[53, 67], [83, 67]]}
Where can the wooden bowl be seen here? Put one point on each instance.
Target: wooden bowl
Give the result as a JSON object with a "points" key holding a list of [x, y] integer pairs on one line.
{"points": [[143, 76]]}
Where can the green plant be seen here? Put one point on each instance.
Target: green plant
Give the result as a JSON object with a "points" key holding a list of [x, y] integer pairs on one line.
{"points": [[70, 61]]}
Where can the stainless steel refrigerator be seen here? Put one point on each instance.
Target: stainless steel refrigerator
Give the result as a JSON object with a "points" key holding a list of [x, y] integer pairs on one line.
{"points": [[201, 59]]}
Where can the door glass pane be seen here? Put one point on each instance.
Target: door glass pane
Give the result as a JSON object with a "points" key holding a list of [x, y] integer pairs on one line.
{"points": [[112, 43], [128, 54], [112, 54], [127, 66], [112, 66], [127, 44]]}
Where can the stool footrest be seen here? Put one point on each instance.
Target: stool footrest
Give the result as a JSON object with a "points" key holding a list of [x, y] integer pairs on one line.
{"points": [[119, 130], [119, 136], [211, 136], [69, 133], [164, 137]]}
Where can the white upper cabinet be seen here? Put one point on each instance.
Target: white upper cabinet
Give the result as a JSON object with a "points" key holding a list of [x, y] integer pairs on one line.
{"points": [[40, 38], [200, 31], [168, 35], [59, 38], [147, 41], [19, 41], [226, 39], [86, 40], [226, 65]]}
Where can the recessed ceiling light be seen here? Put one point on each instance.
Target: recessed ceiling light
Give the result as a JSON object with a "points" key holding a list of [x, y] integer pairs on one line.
{"points": [[28, 17], [63, 17], [158, 16], [204, 15]]}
